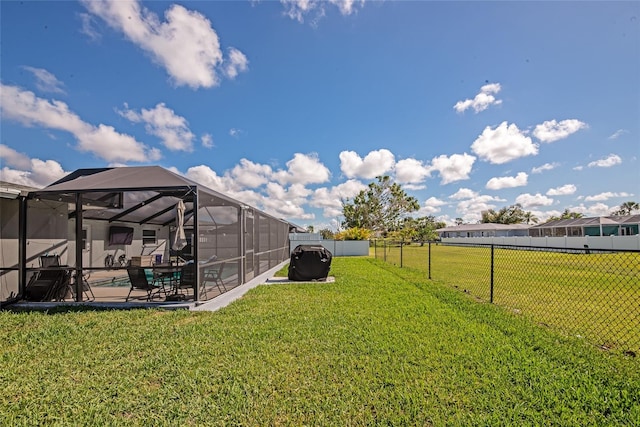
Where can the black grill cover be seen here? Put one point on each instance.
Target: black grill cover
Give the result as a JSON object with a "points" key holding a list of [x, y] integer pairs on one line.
{"points": [[309, 262]]}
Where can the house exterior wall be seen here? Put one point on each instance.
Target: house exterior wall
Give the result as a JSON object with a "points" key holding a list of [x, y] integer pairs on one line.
{"points": [[484, 233], [97, 247]]}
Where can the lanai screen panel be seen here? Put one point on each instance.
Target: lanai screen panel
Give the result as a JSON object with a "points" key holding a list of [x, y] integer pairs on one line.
{"points": [[227, 231], [219, 244]]}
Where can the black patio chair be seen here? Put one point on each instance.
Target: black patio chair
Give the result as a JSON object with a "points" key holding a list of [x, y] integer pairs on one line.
{"points": [[139, 281], [54, 261], [49, 260], [187, 278], [213, 275], [48, 285]]}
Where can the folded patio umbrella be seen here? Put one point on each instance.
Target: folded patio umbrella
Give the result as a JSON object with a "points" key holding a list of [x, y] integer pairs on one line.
{"points": [[179, 240]]}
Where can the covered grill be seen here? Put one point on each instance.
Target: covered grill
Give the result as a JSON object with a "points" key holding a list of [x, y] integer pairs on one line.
{"points": [[309, 262]]}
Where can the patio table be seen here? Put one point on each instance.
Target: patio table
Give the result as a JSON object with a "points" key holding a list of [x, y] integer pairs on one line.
{"points": [[162, 272]]}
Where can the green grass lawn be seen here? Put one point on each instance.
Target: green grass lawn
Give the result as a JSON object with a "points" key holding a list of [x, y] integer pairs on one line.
{"points": [[596, 296], [380, 346]]}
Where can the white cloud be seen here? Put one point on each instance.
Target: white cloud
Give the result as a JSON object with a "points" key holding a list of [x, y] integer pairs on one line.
{"points": [[374, 164], [519, 180], [564, 190], [533, 200], [617, 134], [597, 209], [457, 167], [482, 100], [20, 169], [431, 206], [471, 209], [414, 187], [605, 196], [236, 182], [207, 140], [411, 171], [545, 167], [303, 169], [103, 141], [163, 122], [235, 63], [225, 184], [282, 202], [185, 44], [273, 198], [250, 174], [236, 133], [503, 144], [347, 7], [607, 162], [298, 10], [463, 193], [88, 26], [553, 130], [330, 199], [13, 158], [46, 81]]}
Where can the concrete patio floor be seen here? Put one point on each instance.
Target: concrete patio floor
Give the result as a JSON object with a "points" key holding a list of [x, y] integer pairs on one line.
{"points": [[113, 297]]}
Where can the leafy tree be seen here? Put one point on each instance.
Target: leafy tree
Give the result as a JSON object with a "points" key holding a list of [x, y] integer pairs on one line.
{"points": [[310, 229], [381, 207], [459, 221], [627, 208], [513, 214], [424, 228], [326, 234]]}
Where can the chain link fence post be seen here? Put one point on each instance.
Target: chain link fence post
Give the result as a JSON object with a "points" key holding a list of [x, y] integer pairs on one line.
{"points": [[492, 269], [429, 252], [384, 243]]}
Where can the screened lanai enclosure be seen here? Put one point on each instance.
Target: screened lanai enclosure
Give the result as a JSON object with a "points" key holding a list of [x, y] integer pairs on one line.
{"points": [[129, 234]]}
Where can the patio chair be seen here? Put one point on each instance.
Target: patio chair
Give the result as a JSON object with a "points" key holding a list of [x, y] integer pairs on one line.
{"points": [[48, 285], [215, 276], [61, 294], [49, 260], [86, 288], [187, 278], [139, 281]]}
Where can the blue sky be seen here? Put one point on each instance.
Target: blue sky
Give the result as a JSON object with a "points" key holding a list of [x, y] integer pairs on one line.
{"points": [[292, 106]]}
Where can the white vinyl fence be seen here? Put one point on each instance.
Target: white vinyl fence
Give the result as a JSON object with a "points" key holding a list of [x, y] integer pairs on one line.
{"points": [[593, 242], [336, 247]]}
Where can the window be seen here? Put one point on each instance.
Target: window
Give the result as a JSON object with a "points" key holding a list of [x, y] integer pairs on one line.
{"points": [[149, 237]]}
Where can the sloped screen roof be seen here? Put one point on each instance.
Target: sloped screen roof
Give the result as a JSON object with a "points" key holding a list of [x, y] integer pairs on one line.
{"points": [[143, 195]]}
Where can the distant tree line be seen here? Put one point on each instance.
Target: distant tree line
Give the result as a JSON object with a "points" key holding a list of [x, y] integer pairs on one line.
{"points": [[384, 209]]}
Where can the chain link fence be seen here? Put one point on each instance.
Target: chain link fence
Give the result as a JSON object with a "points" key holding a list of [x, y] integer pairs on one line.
{"points": [[594, 294]]}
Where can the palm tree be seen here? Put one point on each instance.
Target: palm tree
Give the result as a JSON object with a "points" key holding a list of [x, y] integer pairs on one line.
{"points": [[529, 217], [627, 208]]}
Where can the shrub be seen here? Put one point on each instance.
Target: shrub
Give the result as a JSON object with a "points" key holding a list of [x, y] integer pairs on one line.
{"points": [[354, 233]]}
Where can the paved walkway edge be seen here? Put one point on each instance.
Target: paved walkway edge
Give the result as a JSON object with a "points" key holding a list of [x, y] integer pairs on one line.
{"points": [[228, 297]]}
